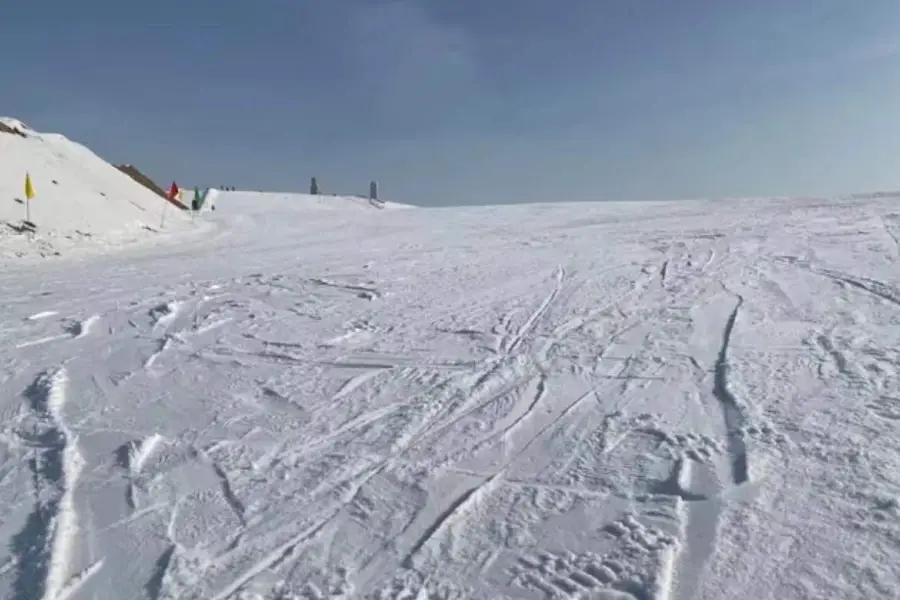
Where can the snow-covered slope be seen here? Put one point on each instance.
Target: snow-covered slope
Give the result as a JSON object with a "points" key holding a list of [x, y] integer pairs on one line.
{"points": [[78, 195], [663, 401], [292, 203]]}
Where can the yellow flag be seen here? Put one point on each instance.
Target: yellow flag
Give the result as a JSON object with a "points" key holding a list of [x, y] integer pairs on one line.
{"points": [[29, 189]]}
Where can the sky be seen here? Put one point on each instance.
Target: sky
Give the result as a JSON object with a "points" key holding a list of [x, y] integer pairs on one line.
{"points": [[471, 101]]}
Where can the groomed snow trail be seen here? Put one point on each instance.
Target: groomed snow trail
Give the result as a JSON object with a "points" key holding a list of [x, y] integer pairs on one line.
{"points": [[659, 401]]}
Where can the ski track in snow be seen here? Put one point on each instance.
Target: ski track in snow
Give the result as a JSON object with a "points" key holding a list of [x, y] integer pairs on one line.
{"points": [[513, 342], [608, 401]]}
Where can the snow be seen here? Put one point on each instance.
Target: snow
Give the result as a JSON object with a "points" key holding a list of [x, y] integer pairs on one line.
{"points": [[209, 203], [82, 202], [278, 203], [647, 401]]}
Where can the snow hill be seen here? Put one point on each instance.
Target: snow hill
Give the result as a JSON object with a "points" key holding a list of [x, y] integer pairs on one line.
{"points": [[652, 401], [81, 199]]}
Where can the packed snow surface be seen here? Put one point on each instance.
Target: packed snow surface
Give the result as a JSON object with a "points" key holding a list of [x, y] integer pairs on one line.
{"points": [[649, 401]]}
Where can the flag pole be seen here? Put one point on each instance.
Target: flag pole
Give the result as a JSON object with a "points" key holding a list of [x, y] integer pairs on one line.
{"points": [[29, 194], [170, 197]]}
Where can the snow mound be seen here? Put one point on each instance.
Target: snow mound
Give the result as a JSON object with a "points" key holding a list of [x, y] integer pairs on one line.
{"points": [[79, 196]]}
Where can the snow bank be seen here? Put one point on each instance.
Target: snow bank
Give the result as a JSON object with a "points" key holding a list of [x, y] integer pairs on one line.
{"points": [[81, 200]]}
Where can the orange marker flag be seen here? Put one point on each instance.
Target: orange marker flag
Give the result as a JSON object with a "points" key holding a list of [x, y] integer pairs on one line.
{"points": [[29, 189]]}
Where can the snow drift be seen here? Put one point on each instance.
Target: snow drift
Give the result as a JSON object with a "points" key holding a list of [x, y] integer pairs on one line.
{"points": [[79, 196]]}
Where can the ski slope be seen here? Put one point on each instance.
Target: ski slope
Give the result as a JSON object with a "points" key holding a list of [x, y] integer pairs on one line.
{"points": [[83, 204], [664, 401]]}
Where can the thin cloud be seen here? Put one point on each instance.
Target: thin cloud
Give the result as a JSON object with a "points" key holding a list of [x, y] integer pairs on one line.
{"points": [[843, 56], [410, 65], [871, 52]]}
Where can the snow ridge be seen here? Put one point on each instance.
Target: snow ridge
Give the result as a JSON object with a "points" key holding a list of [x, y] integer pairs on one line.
{"points": [[734, 418], [47, 544], [132, 457]]}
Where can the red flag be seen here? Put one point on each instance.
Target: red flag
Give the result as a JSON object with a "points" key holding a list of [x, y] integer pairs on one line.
{"points": [[173, 191]]}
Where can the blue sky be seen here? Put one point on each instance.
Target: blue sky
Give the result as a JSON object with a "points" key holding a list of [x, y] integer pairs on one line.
{"points": [[471, 101]]}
